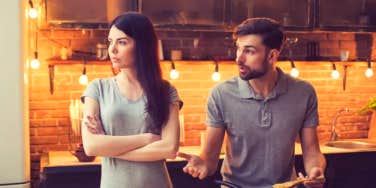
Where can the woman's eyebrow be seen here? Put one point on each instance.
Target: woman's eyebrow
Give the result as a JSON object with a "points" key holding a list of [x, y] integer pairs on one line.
{"points": [[119, 38]]}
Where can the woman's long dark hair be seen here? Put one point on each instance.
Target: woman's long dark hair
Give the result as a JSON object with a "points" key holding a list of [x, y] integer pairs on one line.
{"points": [[149, 74]]}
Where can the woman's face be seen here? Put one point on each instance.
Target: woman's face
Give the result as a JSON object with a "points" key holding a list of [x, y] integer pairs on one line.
{"points": [[121, 49]]}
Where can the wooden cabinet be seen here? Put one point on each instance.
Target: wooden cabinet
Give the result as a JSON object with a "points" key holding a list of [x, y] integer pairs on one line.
{"points": [[347, 170], [344, 170], [351, 170], [88, 176], [182, 180], [293, 14], [345, 15], [180, 14], [349, 15]]}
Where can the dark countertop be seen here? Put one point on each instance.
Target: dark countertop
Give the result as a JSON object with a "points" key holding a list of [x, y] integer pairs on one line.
{"points": [[346, 168], [63, 159]]}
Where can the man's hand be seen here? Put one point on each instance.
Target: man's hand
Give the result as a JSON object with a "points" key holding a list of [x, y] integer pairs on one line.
{"points": [[196, 167], [315, 178]]}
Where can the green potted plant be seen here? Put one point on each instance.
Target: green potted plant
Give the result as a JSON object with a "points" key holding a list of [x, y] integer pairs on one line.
{"points": [[371, 106]]}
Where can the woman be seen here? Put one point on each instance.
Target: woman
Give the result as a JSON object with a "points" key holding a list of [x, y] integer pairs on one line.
{"points": [[131, 120]]}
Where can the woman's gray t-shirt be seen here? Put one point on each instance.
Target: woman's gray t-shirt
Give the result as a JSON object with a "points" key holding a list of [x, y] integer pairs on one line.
{"points": [[121, 116]]}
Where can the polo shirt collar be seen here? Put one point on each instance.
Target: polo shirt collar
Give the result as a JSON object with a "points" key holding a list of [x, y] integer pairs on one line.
{"points": [[245, 89], [247, 92]]}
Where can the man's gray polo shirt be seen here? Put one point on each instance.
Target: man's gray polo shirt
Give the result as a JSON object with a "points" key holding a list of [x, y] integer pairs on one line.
{"points": [[261, 131]]}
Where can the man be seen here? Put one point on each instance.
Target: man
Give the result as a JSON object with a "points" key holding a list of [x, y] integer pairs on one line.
{"points": [[262, 111]]}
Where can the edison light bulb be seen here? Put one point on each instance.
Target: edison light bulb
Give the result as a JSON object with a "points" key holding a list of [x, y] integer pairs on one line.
{"points": [[369, 73], [83, 79], [216, 76], [335, 74], [294, 72], [34, 64], [33, 13], [174, 74]]}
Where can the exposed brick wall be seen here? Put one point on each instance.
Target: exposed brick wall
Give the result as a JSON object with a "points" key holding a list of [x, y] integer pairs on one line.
{"points": [[194, 85], [49, 114], [359, 45]]}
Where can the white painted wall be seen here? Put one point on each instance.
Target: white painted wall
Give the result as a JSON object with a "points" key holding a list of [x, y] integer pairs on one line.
{"points": [[14, 120]]}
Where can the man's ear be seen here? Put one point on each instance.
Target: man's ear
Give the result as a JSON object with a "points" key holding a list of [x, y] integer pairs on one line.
{"points": [[273, 55]]}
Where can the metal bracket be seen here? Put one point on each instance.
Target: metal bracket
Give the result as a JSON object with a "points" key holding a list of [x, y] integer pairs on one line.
{"points": [[51, 73]]}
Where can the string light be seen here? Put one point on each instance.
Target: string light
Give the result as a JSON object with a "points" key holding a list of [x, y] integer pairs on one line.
{"points": [[216, 76], [369, 71], [174, 74], [294, 71], [335, 73], [34, 64], [33, 12], [83, 80]]}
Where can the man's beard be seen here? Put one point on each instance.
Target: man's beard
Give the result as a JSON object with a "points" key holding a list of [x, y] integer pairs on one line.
{"points": [[252, 74]]}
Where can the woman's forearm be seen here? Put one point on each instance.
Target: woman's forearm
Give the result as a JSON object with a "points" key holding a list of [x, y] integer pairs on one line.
{"points": [[161, 149], [158, 150], [110, 146]]}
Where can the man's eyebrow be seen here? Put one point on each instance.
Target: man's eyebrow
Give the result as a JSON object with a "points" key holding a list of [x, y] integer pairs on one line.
{"points": [[250, 46], [247, 46]]}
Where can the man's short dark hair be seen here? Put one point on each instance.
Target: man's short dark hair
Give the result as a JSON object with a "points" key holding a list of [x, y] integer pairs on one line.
{"points": [[270, 31]]}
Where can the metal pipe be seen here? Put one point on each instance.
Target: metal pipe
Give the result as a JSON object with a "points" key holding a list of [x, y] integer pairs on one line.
{"points": [[334, 135]]}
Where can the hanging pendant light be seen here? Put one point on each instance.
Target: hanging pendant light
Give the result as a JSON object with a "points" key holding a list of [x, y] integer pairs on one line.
{"points": [[83, 80], [294, 71], [369, 71], [174, 74], [216, 76], [335, 73], [33, 12], [34, 64]]}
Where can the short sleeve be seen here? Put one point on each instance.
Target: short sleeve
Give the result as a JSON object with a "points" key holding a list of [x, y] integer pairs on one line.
{"points": [[214, 116], [311, 118], [92, 91], [174, 96]]}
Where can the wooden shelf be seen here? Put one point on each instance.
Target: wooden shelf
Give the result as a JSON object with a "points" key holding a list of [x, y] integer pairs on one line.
{"points": [[58, 61], [75, 61], [90, 60]]}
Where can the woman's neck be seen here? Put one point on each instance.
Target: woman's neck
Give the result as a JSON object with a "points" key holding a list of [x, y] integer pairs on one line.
{"points": [[129, 85], [129, 76]]}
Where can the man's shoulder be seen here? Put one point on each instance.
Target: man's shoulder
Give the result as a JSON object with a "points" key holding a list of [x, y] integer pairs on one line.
{"points": [[225, 86], [300, 83], [232, 82]]}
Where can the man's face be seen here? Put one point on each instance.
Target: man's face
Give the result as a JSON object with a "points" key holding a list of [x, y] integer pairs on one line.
{"points": [[252, 57]]}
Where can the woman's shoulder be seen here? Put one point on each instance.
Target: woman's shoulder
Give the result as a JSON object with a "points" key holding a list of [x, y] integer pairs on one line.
{"points": [[169, 87], [173, 93], [102, 81]]}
